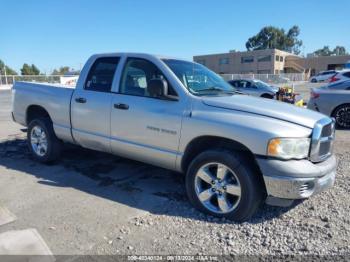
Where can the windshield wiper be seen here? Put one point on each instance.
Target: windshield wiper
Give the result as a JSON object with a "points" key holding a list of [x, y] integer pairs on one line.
{"points": [[213, 88]]}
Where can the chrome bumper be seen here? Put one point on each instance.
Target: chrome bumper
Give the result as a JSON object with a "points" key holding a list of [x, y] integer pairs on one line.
{"points": [[283, 181]]}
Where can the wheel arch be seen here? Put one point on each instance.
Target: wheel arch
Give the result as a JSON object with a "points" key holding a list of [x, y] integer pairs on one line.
{"points": [[203, 143], [36, 111]]}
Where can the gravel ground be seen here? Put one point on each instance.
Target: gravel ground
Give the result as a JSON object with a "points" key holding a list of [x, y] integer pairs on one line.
{"points": [[318, 226], [81, 205]]}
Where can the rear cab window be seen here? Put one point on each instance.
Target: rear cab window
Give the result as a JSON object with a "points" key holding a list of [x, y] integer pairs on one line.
{"points": [[101, 74]]}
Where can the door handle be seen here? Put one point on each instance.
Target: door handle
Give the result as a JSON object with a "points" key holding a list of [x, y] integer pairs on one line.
{"points": [[121, 106], [81, 100]]}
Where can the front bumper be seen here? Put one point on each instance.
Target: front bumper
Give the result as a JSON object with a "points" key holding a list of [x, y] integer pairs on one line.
{"points": [[297, 179]]}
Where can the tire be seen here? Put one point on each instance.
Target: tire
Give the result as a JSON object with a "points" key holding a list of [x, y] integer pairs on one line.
{"points": [[36, 140], [267, 96], [313, 80], [239, 208], [342, 116]]}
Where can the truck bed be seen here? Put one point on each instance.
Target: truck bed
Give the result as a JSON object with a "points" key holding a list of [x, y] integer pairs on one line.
{"points": [[54, 98]]}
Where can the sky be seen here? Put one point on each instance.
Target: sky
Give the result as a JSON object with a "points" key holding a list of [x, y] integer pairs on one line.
{"points": [[53, 33]]}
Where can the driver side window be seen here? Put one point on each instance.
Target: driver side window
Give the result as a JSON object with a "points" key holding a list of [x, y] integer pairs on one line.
{"points": [[136, 76]]}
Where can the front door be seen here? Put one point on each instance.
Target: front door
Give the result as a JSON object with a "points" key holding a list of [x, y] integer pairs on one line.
{"points": [[142, 127]]}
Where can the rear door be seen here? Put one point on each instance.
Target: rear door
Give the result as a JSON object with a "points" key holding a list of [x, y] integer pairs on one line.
{"points": [[91, 106]]}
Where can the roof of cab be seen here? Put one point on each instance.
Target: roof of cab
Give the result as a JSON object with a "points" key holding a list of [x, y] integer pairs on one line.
{"points": [[137, 55]]}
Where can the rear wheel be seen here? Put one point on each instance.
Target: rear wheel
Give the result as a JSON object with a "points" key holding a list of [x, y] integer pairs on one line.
{"points": [[313, 80], [223, 184], [42, 141], [342, 116]]}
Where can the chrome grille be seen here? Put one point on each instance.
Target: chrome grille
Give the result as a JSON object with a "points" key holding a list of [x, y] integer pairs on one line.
{"points": [[325, 148], [327, 130], [322, 140]]}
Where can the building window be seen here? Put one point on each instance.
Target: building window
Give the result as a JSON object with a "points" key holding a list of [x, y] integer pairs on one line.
{"points": [[281, 58], [277, 58], [224, 61], [247, 59], [266, 58], [201, 61]]}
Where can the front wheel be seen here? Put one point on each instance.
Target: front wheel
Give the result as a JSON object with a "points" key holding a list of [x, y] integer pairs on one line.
{"points": [[342, 116], [223, 184], [42, 141]]}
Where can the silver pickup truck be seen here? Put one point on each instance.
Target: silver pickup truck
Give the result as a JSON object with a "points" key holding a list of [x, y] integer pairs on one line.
{"points": [[236, 150]]}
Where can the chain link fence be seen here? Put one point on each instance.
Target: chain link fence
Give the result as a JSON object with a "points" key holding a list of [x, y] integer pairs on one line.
{"points": [[269, 78], [53, 79], [71, 80]]}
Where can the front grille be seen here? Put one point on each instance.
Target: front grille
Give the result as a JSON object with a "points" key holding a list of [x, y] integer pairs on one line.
{"points": [[327, 130], [325, 148], [322, 140]]}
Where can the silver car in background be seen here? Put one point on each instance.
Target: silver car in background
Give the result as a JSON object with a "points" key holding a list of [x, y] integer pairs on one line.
{"points": [[333, 100], [254, 87]]}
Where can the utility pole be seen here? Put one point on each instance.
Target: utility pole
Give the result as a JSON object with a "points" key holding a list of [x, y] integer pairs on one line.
{"points": [[5, 74]]}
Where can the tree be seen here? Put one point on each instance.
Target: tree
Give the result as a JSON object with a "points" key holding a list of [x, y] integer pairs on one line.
{"points": [[272, 37], [35, 70], [29, 70], [9, 70], [26, 70], [326, 51], [293, 44], [340, 50], [61, 71]]}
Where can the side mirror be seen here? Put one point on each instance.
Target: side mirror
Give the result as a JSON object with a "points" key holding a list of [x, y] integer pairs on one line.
{"points": [[158, 87]]}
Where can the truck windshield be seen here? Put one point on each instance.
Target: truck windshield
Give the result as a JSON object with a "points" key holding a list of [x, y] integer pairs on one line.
{"points": [[198, 79]]}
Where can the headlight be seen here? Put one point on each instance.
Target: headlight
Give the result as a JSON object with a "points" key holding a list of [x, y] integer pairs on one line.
{"points": [[289, 148]]}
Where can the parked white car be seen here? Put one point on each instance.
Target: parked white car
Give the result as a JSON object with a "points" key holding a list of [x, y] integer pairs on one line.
{"points": [[341, 76], [323, 76]]}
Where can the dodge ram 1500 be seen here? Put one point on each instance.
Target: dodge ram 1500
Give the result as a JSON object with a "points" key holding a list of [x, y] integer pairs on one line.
{"points": [[236, 150]]}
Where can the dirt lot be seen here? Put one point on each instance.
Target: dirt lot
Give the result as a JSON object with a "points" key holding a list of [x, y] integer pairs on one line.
{"points": [[94, 203]]}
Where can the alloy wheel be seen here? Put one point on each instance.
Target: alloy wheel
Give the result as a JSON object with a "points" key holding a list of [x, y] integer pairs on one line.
{"points": [[38, 140], [217, 188], [342, 117]]}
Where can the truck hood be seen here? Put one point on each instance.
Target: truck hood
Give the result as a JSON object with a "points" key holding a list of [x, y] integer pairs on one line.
{"points": [[265, 107]]}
